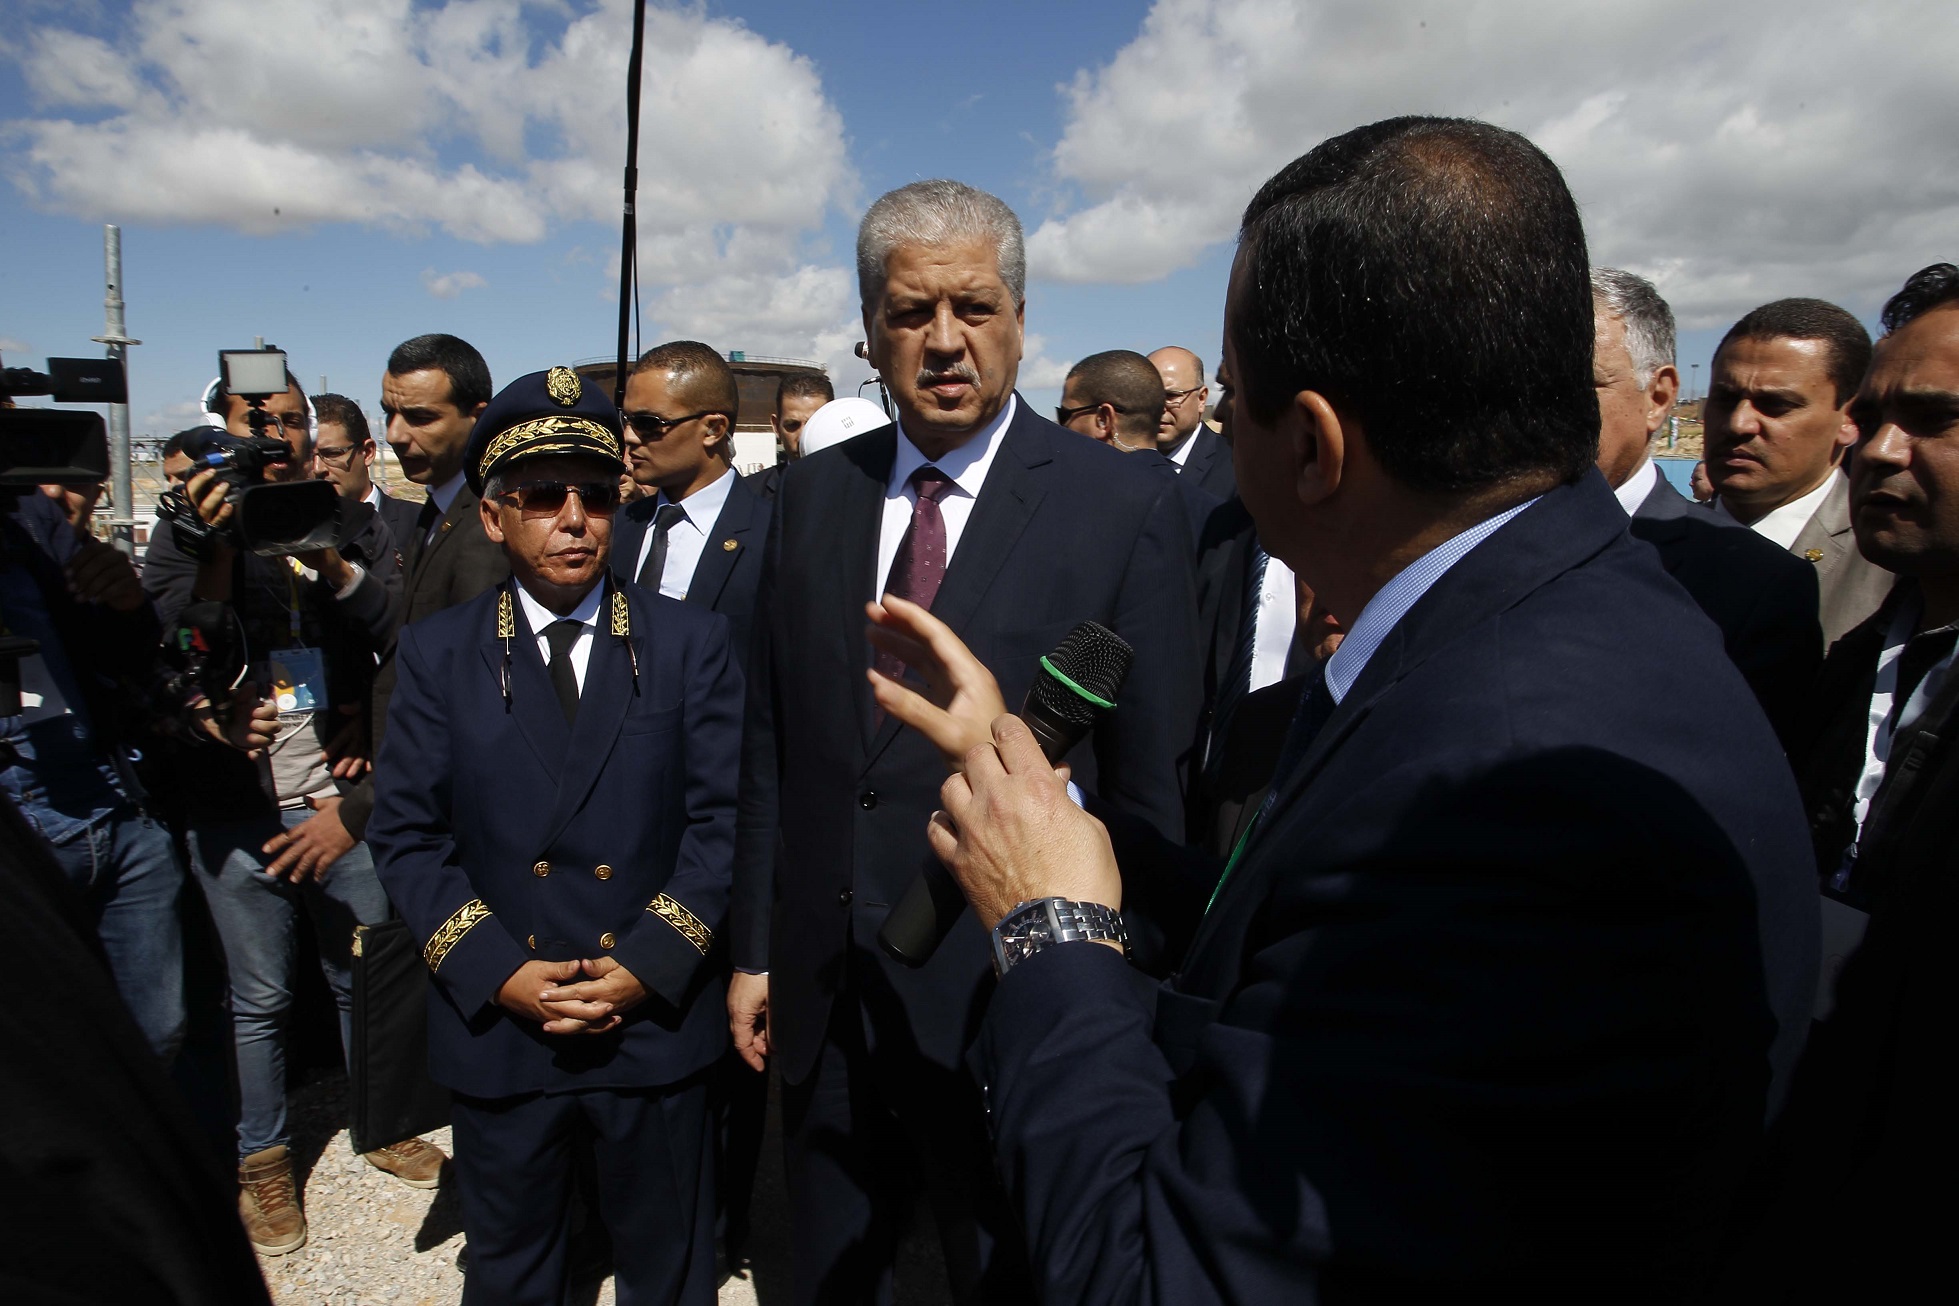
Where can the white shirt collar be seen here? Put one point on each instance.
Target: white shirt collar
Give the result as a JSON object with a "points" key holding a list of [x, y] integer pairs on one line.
{"points": [[1784, 524], [1181, 454], [445, 494], [373, 496], [537, 616], [1391, 602], [703, 506], [966, 465], [1637, 487]]}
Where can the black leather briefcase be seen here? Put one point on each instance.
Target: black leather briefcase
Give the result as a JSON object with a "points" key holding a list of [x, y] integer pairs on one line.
{"points": [[390, 1094]]}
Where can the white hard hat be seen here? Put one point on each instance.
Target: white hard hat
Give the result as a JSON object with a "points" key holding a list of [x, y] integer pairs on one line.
{"points": [[839, 420]]}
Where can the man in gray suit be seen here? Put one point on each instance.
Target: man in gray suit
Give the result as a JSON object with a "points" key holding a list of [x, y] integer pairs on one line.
{"points": [[1778, 426]]}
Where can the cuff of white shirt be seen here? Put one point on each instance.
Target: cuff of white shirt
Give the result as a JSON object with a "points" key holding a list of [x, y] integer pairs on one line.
{"points": [[1075, 794], [744, 970], [347, 590]]}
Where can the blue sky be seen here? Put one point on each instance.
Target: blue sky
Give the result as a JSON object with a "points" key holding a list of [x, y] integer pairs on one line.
{"points": [[453, 166]]}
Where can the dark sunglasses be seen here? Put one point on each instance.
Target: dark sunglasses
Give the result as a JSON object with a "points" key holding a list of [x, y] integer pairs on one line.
{"points": [[547, 498], [653, 426], [1063, 416]]}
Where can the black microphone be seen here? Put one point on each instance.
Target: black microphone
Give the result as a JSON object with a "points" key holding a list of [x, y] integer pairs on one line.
{"points": [[1075, 685]]}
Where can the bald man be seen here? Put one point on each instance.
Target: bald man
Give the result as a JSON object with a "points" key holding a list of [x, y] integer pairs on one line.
{"points": [[1198, 452]]}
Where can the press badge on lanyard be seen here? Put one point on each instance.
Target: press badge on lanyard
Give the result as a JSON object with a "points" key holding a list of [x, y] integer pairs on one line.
{"points": [[297, 675]]}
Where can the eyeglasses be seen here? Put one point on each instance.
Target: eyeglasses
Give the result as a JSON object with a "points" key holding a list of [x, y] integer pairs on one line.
{"points": [[1178, 396], [327, 455], [547, 498], [1063, 416], [653, 426]]}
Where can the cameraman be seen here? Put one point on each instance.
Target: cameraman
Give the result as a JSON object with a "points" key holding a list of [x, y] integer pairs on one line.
{"points": [[65, 754], [265, 834]]}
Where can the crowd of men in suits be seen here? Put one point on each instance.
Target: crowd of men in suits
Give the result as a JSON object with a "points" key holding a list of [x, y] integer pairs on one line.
{"points": [[1501, 892]]}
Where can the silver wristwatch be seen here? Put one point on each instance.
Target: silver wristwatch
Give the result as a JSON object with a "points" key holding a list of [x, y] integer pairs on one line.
{"points": [[1034, 925]]}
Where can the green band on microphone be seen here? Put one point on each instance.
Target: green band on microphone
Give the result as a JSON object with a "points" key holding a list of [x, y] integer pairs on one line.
{"points": [[1096, 699]]}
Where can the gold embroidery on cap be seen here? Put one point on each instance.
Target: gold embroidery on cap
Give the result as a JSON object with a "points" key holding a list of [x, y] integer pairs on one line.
{"points": [[562, 384], [543, 435]]}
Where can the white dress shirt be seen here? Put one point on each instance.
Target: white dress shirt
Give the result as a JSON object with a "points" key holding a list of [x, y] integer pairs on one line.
{"points": [[967, 466], [686, 538], [1784, 524], [1181, 454], [586, 614], [1391, 602], [1637, 487], [442, 496], [1273, 624], [373, 496]]}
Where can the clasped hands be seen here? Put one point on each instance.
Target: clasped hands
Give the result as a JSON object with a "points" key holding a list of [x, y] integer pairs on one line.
{"points": [[551, 994], [1006, 829]]}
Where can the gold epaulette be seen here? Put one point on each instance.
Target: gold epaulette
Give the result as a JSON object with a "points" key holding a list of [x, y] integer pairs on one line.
{"points": [[686, 922], [467, 917]]}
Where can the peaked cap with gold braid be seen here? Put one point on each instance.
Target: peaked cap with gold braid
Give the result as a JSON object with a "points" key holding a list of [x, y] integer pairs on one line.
{"points": [[553, 412]]}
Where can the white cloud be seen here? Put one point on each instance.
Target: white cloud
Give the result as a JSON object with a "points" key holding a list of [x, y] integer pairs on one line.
{"points": [[448, 285], [491, 120], [9, 345], [1735, 154]]}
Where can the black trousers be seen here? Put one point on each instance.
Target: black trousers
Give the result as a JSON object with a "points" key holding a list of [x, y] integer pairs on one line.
{"points": [[653, 1153], [869, 1131], [740, 1098]]}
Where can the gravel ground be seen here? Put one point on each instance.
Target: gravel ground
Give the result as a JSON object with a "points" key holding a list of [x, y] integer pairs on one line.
{"points": [[374, 1241]]}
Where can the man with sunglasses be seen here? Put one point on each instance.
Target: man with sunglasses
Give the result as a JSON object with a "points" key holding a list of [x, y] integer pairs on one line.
{"points": [[559, 830], [699, 538], [1116, 397], [1198, 452]]}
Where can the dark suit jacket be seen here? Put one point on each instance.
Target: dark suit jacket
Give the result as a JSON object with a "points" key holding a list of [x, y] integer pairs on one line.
{"points": [[731, 564], [1198, 503], [1490, 1006], [399, 516], [1762, 597], [1209, 464], [456, 565], [1870, 1116], [504, 835], [835, 803]]}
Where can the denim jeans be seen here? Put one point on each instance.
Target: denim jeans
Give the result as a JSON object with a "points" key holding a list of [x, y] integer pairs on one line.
{"points": [[256, 915], [126, 867]]}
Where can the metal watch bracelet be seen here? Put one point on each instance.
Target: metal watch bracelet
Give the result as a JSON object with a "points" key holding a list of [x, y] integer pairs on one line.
{"points": [[1044, 922]]}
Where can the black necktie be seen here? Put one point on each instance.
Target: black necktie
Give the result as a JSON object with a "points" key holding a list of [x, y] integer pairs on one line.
{"points": [[560, 635], [656, 557], [425, 521]]}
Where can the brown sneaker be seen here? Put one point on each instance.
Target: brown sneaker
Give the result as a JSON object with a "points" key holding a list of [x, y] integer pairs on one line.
{"points": [[268, 1202], [414, 1162]]}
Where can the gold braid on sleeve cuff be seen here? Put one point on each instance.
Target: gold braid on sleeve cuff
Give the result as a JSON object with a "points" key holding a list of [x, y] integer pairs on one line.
{"points": [[686, 922], [467, 917]]}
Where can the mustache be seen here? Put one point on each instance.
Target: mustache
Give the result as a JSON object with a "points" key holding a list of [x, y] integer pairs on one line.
{"points": [[939, 376]]}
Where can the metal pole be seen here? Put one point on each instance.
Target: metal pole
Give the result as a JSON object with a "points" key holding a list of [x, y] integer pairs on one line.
{"points": [[628, 227], [122, 522]]}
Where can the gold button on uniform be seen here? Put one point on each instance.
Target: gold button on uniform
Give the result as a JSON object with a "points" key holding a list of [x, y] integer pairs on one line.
{"points": [[606, 940], [729, 546], [541, 870], [603, 872], [533, 942]]}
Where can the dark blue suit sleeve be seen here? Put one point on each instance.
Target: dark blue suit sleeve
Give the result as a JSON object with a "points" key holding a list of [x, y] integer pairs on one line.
{"points": [[1141, 749], [755, 830], [655, 950], [469, 951]]}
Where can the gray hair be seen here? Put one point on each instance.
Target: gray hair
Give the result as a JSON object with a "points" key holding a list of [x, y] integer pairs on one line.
{"points": [[938, 213], [1649, 322]]}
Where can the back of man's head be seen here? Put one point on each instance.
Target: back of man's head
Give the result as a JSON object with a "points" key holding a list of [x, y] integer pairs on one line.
{"points": [[1636, 302], [1847, 346], [1127, 382], [456, 358], [1429, 275]]}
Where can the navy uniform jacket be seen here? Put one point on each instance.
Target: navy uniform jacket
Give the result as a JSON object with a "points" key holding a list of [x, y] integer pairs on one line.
{"points": [[835, 800], [505, 836], [1491, 1006], [731, 560]]}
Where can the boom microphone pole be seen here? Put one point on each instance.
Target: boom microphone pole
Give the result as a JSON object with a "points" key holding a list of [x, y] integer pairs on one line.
{"points": [[628, 226]]}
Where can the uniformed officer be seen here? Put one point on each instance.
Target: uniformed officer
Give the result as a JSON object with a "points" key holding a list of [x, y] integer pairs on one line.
{"points": [[556, 819]]}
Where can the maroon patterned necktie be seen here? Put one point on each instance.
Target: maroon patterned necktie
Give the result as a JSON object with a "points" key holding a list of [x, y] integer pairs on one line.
{"points": [[920, 564]]}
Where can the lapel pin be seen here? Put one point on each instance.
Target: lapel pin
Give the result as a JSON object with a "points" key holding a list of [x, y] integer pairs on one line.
{"points": [[445, 527], [1814, 555], [729, 546]]}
